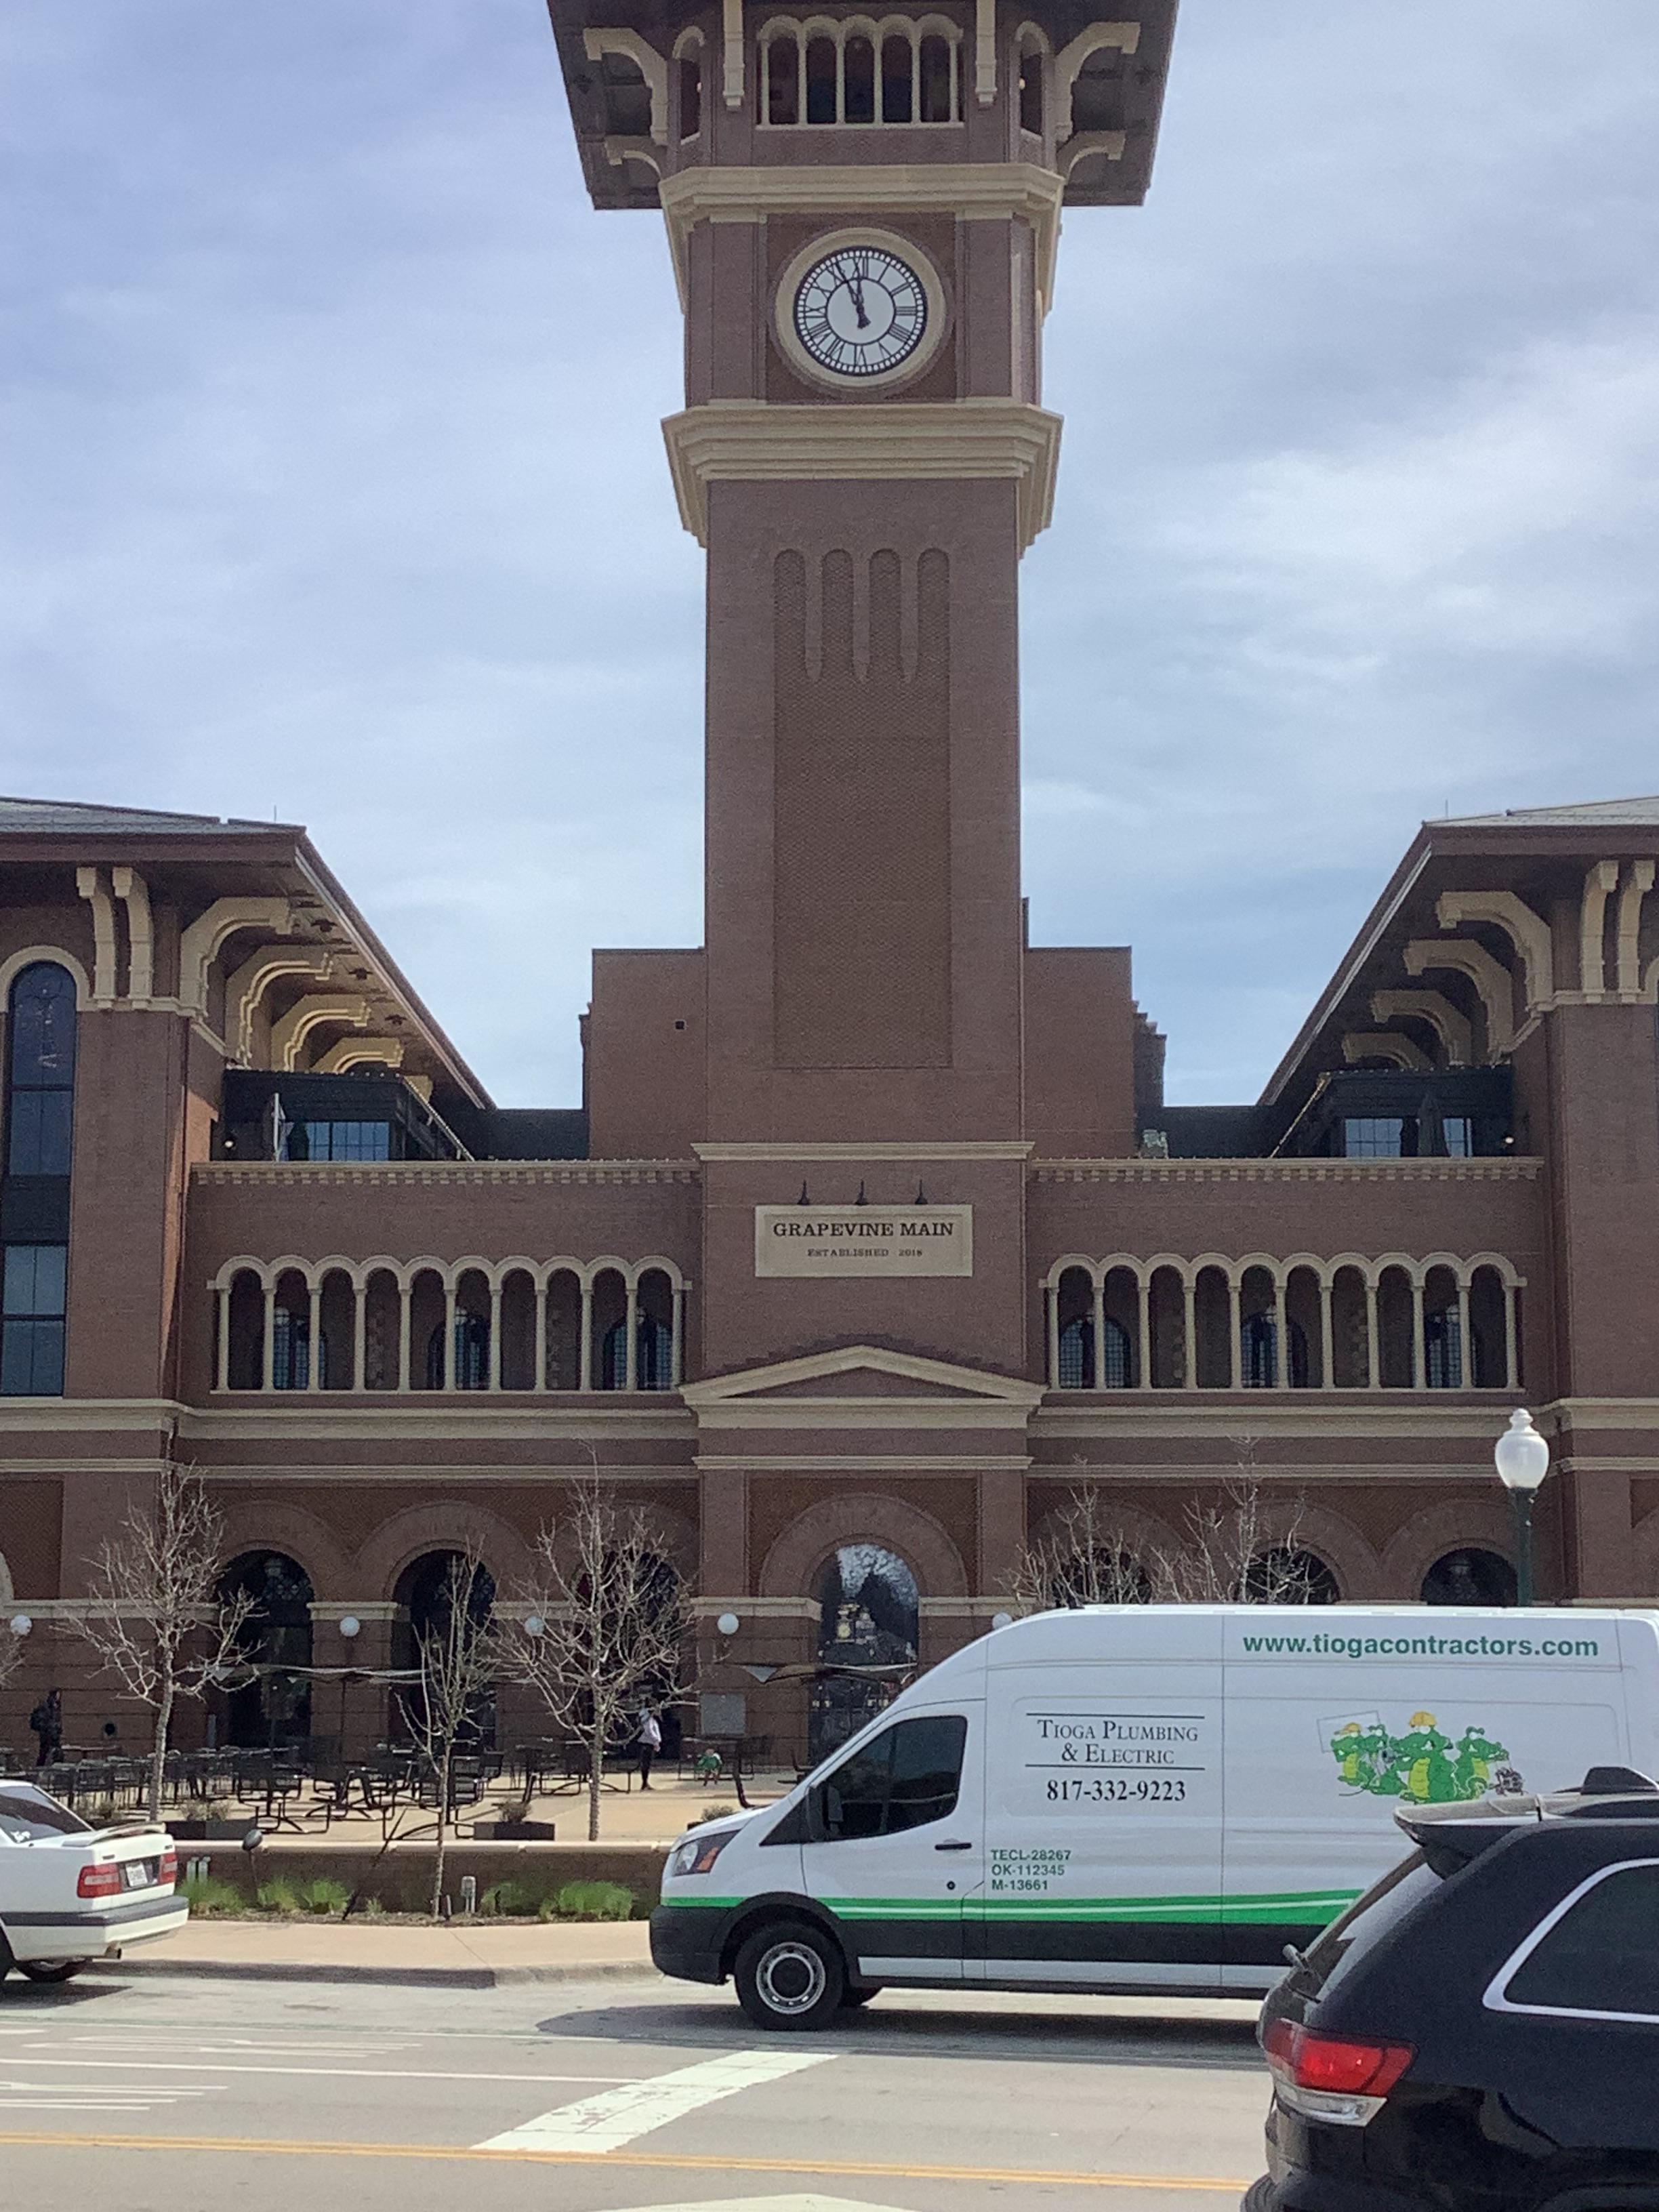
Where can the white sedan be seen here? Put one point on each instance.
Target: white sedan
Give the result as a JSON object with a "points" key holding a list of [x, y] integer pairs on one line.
{"points": [[70, 1894]]}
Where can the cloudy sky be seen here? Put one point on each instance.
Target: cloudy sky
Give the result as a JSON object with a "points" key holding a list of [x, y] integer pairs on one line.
{"points": [[331, 483]]}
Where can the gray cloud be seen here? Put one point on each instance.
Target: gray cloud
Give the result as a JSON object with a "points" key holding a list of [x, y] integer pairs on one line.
{"points": [[334, 483]]}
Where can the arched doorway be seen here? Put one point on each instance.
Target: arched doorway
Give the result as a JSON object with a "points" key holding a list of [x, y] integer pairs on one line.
{"points": [[274, 1707], [1469, 1576], [427, 1594], [1288, 1574], [869, 1613]]}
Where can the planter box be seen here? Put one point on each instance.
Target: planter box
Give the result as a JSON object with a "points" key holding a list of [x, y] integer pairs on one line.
{"points": [[515, 1831]]}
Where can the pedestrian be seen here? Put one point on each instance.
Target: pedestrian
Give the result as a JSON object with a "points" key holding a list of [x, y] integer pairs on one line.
{"points": [[648, 1743], [47, 1722]]}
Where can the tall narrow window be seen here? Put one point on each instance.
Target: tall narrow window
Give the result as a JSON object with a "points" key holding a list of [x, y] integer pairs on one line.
{"points": [[1030, 90], [39, 1119], [691, 92], [898, 55], [783, 79]]}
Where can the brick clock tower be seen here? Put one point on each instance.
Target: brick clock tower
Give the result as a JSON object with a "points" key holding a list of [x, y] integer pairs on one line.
{"points": [[863, 212]]}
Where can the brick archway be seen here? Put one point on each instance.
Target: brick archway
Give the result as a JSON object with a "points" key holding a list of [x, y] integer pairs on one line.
{"points": [[1475, 1521], [1334, 1538], [267, 1525], [1644, 1556], [864, 1516], [442, 1527]]}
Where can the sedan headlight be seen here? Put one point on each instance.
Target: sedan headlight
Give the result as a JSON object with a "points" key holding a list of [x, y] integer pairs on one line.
{"points": [[697, 1854]]}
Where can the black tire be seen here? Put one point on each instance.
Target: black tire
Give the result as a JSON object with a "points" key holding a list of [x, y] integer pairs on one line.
{"points": [[1260, 2196], [852, 1999], [56, 1970], [791, 1976]]}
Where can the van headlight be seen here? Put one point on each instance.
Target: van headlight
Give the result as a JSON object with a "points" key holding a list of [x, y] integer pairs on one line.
{"points": [[697, 1854]]}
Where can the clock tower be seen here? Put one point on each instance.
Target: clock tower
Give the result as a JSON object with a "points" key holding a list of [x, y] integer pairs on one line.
{"points": [[864, 211]]}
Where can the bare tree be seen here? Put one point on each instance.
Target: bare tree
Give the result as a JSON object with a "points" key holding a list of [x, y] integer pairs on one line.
{"points": [[606, 1623], [156, 1617], [460, 1655], [11, 1652], [1084, 1558], [1240, 1547]]}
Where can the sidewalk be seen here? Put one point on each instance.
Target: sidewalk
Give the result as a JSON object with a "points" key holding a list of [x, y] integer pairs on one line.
{"points": [[472, 1954]]}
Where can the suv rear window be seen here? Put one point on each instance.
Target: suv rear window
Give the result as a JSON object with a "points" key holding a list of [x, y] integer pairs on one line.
{"points": [[1601, 1956], [1383, 1907], [27, 1819]]}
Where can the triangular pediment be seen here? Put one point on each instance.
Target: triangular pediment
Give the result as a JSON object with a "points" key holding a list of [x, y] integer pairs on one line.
{"points": [[861, 1373]]}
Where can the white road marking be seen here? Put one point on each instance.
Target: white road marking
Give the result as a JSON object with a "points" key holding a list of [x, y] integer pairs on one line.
{"points": [[771, 2204], [620, 2116], [331, 2073]]}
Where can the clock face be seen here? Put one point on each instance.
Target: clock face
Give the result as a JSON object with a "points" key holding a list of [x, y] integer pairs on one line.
{"points": [[860, 310]]}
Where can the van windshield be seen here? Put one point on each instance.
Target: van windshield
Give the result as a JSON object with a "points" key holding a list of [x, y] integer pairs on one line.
{"points": [[1364, 1925]]}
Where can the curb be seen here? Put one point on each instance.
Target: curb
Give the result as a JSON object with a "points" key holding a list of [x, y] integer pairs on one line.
{"points": [[452, 1978]]}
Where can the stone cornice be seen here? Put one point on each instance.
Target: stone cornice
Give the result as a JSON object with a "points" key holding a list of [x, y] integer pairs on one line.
{"points": [[970, 192], [952, 441], [947, 1148], [443, 1174], [1314, 1170]]}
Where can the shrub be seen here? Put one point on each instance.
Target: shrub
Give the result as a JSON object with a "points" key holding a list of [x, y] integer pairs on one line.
{"points": [[211, 1896], [713, 1813], [590, 1901], [279, 1896], [508, 1896], [324, 1894]]}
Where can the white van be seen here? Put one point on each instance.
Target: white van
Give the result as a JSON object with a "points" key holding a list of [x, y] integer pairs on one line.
{"points": [[1129, 1798]]}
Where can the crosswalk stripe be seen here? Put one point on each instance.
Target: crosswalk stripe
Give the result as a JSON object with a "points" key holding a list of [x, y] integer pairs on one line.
{"points": [[619, 2117]]}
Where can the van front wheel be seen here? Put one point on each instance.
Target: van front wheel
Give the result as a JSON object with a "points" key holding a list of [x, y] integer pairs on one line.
{"points": [[790, 1976]]}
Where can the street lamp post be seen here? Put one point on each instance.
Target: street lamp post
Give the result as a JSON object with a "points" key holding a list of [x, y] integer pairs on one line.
{"points": [[1522, 1458]]}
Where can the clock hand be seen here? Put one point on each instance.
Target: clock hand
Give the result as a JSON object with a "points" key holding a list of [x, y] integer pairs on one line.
{"points": [[857, 283]]}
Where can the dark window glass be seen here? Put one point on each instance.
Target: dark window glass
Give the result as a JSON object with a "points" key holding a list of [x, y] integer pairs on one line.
{"points": [[896, 94], [42, 1030], [652, 1362], [27, 1816], [821, 77], [690, 95], [1458, 1130], [783, 81], [40, 1129], [1371, 1138], [471, 1354], [290, 1341], [32, 1293], [937, 103], [909, 1775], [1383, 1907], [1076, 1355], [858, 93], [1469, 1576], [339, 1140], [1602, 1955], [1443, 1348], [1030, 92]]}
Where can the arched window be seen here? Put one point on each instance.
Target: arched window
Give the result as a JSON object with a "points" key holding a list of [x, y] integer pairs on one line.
{"points": [[898, 58], [1031, 86], [431, 1594], [782, 79], [691, 92], [1469, 1576], [274, 1705], [939, 80], [859, 80], [290, 1360], [822, 80], [653, 1356], [869, 1615], [1076, 1355], [40, 1132], [1287, 1575]]}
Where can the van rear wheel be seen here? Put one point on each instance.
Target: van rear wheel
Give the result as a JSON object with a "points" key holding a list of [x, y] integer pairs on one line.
{"points": [[790, 1976]]}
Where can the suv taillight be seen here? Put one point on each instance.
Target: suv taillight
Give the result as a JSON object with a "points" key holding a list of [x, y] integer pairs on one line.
{"points": [[99, 1881], [1342, 2078]]}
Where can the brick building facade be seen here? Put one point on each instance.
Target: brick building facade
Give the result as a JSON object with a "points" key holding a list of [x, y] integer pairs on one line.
{"points": [[873, 1238]]}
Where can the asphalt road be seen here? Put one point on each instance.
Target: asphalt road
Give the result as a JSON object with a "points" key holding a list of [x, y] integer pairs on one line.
{"points": [[176, 2095]]}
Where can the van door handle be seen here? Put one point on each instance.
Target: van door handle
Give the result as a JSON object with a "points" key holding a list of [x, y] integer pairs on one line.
{"points": [[953, 1847]]}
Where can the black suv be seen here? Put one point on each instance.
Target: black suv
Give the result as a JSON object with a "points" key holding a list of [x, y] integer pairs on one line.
{"points": [[1481, 2032]]}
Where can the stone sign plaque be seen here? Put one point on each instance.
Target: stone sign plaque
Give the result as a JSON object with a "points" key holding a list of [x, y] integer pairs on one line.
{"points": [[822, 1242]]}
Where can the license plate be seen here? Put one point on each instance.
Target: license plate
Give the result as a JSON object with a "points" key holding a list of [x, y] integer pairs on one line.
{"points": [[141, 1874]]}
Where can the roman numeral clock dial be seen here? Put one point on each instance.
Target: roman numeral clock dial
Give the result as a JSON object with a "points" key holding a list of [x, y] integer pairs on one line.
{"points": [[860, 312]]}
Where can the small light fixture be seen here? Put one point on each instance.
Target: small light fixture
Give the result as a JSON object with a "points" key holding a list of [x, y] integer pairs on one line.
{"points": [[350, 1624], [728, 1624], [1002, 1620], [534, 1624], [1522, 1460], [21, 1624], [803, 1200], [922, 1194]]}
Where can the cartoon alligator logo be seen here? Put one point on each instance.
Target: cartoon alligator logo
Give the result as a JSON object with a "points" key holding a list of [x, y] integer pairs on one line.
{"points": [[1423, 1766]]}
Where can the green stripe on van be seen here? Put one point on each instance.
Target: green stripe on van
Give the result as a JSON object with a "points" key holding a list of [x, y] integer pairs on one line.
{"points": [[1301, 1906]]}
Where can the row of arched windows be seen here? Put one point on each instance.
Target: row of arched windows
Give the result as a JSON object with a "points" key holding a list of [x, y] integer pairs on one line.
{"points": [[378, 1329], [1433, 1326], [899, 70]]}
